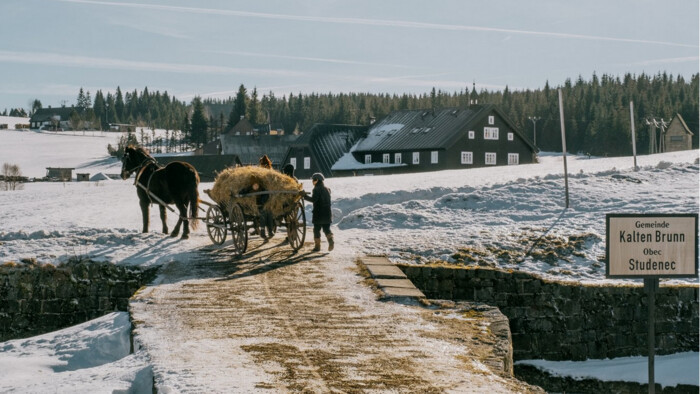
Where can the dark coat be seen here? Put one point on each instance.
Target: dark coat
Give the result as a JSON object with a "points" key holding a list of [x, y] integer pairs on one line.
{"points": [[321, 198]]}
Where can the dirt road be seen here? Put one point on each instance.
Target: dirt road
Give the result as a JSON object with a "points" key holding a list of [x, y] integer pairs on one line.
{"points": [[275, 321]]}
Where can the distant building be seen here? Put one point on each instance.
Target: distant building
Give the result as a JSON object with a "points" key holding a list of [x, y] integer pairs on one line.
{"points": [[53, 118], [245, 127], [430, 140], [210, 148], [60, 174], [317, 149], [250, 148], [82, 177], [677, 136], [122, 127]]}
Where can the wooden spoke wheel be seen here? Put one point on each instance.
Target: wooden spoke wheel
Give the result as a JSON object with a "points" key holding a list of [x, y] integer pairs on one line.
{"points": [[216, 225], [296, 226], [239, 234]]}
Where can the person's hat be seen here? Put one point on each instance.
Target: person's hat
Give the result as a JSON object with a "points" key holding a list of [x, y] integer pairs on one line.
{"points": [[317, 177]]}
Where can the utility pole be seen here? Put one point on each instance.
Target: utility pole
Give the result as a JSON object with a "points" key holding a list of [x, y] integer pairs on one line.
{"points": [[634, 139], [534, 120], [563, 147]]}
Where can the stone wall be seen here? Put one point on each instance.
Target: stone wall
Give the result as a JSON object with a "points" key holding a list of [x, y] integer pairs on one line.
{"points": [[38, 299], [567, 321]]}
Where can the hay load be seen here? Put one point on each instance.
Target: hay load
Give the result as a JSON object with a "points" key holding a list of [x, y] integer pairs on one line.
{"points": [[232, 181]]}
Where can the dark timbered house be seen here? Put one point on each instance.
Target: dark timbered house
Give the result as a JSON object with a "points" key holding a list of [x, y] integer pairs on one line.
{"points": [[431, 140], [317, 149]]}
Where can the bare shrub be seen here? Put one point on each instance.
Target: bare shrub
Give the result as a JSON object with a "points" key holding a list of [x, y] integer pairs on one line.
{"points": [[11, 175]]}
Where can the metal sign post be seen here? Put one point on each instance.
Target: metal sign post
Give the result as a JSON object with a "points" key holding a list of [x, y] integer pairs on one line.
{"points": [[651, 246]]}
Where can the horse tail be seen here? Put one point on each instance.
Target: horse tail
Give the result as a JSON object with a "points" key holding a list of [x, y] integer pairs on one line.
{"points": [[194, 208]]}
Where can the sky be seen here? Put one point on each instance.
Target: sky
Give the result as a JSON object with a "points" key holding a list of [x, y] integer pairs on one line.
{"points": [[51, 48]]}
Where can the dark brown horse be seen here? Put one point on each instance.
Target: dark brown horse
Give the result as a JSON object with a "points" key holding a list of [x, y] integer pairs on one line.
{"points": [[175, 183]]}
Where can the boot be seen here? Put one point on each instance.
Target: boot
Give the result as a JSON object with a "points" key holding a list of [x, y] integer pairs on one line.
{"points": [[331, 244], [317, 245]]}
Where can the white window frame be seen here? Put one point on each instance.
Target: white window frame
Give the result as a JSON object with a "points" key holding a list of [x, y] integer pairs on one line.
{"points": [[434, 157], [386, 158], [492, 119], [471, 134], [293, 162], [490, 158], [467, 157], [510, 136], [307, 163], [513, 159], [368, 159], [416, 157], [491, 133], [397, 158]]}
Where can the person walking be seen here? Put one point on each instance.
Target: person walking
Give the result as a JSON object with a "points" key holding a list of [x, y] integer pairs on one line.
{"points": [[321, 213]]}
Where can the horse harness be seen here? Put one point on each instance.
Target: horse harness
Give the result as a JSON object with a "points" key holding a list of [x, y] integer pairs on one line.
{"points": [[142, 167]]}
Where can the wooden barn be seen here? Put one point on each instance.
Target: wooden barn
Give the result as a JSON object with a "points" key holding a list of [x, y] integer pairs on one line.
{"points": [[431, 140], [320, 147], [677, 136], [60, 174]]}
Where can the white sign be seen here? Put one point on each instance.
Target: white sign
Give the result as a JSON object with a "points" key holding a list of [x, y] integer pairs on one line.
{"points": [[651, 245]]}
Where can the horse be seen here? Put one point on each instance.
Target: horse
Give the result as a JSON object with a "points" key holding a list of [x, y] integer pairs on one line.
{"points": [[175, 183]]}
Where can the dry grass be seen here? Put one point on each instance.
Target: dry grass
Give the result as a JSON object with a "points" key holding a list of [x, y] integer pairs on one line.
{"points": [[232, 180]]}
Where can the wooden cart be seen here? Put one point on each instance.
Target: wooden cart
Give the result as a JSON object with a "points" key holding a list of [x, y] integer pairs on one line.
{"points": [[232, 216]]}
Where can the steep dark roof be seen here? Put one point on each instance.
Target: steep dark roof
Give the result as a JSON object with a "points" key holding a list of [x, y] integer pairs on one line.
{"points": [[46, 114], [244, 127], [249, 148], [426, 129], [329, 142], [684, 126]]}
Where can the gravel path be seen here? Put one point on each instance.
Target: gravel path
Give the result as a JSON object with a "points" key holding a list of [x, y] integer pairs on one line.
{"points": [[275, 321]]}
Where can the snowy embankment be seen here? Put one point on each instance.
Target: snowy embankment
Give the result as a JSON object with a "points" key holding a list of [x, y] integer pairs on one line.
{"points": [[92, 357]]}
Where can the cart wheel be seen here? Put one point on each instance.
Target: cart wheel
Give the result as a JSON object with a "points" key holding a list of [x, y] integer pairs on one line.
{"points": [[239, 235], [216, 225], [296, 226]]}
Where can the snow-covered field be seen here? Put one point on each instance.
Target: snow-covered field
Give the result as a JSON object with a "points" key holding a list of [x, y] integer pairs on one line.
{"points": [[418, 218], [13, 121], [413, 218]]}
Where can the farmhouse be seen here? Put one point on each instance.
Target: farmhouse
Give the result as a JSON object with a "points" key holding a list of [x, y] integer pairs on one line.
{"points": [[320, 147], [53, 118], [430, 140], [678, 136]]}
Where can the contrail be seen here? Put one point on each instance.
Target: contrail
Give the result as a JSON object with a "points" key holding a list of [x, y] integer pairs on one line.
{"points": [[374, 22]]}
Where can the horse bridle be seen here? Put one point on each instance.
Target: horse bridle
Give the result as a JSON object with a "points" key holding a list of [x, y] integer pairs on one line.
{"points": [[148, 159]]}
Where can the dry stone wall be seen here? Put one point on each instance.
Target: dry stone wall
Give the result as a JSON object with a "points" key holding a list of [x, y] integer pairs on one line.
{"points": [[565, 321], [38, 299]]}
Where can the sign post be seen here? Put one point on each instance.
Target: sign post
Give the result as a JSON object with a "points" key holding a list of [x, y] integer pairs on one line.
{"points": [[651, 246]]}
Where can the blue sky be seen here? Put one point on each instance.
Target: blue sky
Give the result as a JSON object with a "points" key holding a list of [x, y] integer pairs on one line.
{"points": [[51, 48]]}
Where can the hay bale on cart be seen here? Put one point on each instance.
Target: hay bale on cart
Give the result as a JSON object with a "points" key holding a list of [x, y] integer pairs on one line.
{"points": [[230, 182], [236, 210]]}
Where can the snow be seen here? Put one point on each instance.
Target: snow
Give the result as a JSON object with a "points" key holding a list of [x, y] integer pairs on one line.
{"points": [[12, 121], [412, 218], [34, 151], [92, 357], [669, 370]]}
